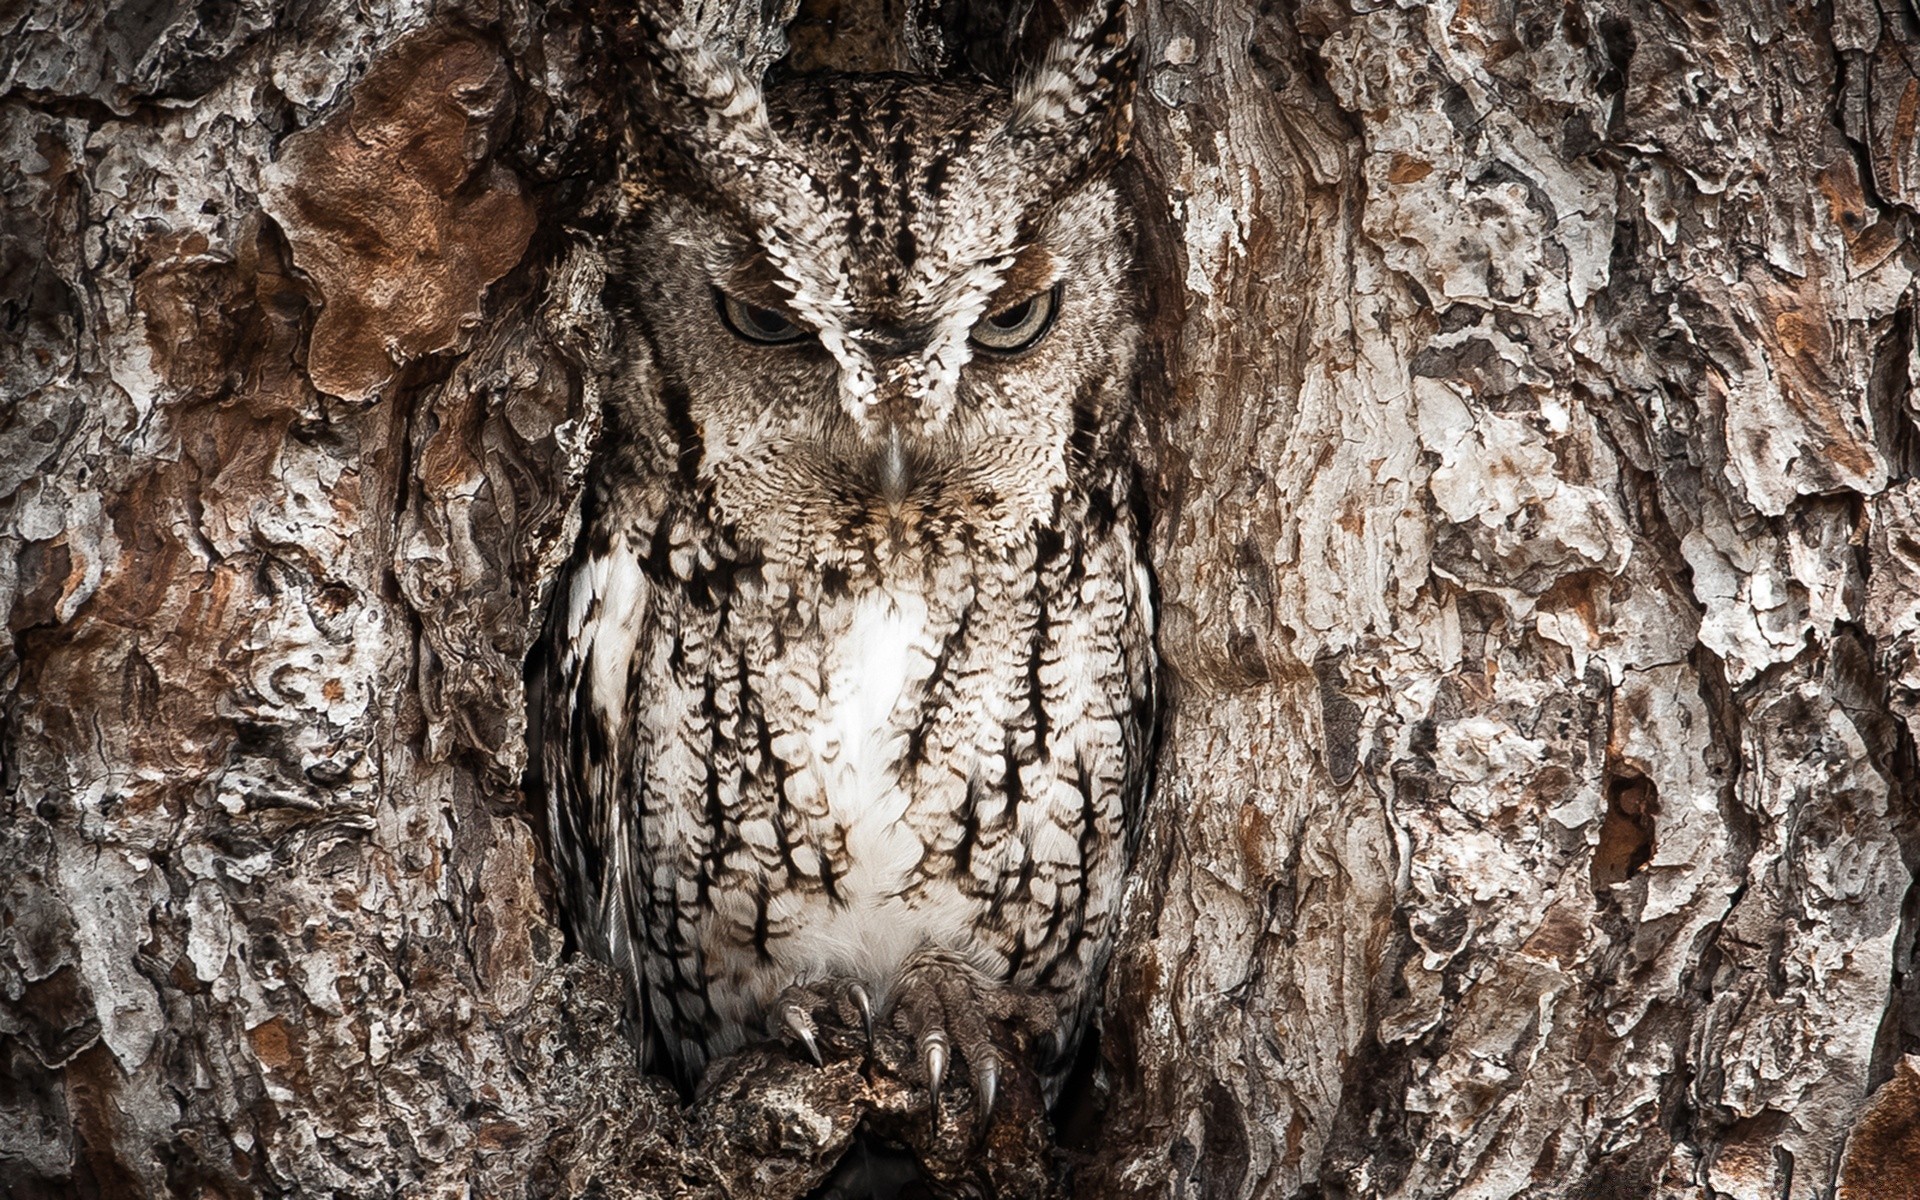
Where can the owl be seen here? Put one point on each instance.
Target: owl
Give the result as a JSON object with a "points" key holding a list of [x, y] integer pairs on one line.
{"points": [[848, 686]]}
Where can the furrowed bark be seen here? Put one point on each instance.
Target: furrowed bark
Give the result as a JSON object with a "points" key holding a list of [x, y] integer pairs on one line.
{"points": [[1536, 543], [1538, 808]]}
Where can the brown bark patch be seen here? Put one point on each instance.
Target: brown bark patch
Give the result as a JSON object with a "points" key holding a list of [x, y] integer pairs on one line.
{"points": [[61, 1017], [396, 213], [273, 1046], [1870, 239], [1884, 1146], [1895, 123], [224, 323], [1797, 328], [1403, 169], [48, 574], [1626, 835]]}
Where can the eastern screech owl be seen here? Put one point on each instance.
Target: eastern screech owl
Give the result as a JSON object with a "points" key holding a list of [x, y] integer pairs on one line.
{"points": [[848, 685]]}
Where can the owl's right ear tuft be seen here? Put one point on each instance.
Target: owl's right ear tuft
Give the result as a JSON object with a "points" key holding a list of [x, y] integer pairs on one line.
{"points": [[1075, 106]]}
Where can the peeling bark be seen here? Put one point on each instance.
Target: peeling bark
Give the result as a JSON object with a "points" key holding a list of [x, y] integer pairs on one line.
{"points": [[398, 213], [1558, 517], [1538, 548]]}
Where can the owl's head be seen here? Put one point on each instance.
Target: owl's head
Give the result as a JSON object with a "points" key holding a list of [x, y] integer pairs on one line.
{"points": [[886, 309]]}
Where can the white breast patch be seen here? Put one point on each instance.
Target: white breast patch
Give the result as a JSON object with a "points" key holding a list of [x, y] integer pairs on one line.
{"points": [[881, 660]]}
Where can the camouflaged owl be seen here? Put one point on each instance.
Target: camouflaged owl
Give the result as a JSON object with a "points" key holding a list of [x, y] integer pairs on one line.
{"points": [[848, 686]]}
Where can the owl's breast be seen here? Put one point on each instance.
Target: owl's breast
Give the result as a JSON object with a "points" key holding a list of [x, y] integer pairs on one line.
{"points": [[873, 677], [851, 722]]}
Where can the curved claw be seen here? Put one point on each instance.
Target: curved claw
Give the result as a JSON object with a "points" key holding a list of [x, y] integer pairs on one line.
{"points": [[986, 1081], [802, 1026], [933, 1055], [864, 1003]]}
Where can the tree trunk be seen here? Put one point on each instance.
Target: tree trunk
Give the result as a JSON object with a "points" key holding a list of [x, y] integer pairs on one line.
{"points": [[1539, 564]]}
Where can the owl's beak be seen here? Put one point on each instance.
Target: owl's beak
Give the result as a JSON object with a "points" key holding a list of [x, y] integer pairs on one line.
{"points": [[889, 384], [891, 469]]}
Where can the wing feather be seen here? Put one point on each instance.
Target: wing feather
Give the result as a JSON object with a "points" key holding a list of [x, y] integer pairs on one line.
{"points": [[590, 753]]}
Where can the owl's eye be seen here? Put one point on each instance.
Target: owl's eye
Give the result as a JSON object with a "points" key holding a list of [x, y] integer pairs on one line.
{"points": [[766, 325], [1018, 326]]}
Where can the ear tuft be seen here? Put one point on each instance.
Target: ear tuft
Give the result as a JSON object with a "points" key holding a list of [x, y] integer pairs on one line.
{"points": [[702, 94], [1075, 106], [703, 99]]}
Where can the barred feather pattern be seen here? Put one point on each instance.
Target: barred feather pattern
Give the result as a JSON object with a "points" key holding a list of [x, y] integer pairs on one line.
{"points": [[854, 657]]}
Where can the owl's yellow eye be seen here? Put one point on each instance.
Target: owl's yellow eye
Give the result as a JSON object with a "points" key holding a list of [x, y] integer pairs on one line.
{"points": [[768, 326], [1019, 326]]}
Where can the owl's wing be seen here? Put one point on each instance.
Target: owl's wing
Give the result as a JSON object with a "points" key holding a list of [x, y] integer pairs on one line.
{"points": [[590, 754]]}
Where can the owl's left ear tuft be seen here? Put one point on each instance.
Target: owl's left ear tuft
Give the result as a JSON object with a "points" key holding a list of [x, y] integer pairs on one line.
{"points": [[1074, 107], [706, 102]]}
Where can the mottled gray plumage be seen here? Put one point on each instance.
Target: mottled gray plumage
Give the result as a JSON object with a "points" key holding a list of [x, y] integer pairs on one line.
{"points": [[849, 680]]}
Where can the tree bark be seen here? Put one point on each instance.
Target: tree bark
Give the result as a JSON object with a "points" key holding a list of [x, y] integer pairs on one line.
{"points": [[1538, 555]]}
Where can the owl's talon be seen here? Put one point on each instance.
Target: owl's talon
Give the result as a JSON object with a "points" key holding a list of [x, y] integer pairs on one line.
{"points": [[986, 1082], [933, 1056], [802, 1026], [863, 1002], [952, 1012]]}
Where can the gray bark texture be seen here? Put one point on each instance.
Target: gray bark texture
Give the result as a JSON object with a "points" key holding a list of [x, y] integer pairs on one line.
{"points": [[1536, 529]]}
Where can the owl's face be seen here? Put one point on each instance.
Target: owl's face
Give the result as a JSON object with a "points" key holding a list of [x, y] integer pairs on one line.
{"points": [[903, 332]]}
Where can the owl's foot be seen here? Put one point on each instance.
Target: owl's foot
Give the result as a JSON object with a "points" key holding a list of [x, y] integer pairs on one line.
{"points": [[945, 1006], [844, 1003]]}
